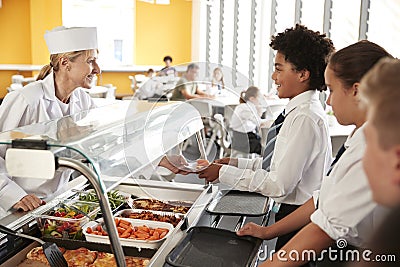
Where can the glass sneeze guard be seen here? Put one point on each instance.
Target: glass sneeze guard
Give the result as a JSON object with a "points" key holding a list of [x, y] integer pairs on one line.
{"points": [[121, 139]]}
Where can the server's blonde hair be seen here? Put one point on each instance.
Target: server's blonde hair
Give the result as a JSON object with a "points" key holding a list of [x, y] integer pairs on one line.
{"points": [[55, 59]]}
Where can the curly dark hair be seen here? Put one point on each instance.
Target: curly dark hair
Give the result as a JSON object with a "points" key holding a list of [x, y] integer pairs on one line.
{"points": [[306, 50], [167, 58]]}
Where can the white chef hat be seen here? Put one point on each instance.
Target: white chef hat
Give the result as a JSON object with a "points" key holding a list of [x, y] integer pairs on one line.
{"points": [[62, 39]]}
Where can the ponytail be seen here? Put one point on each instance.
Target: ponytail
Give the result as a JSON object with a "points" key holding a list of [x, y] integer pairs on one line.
{"points": [[44, 72], [252, 91], [242, 98]]}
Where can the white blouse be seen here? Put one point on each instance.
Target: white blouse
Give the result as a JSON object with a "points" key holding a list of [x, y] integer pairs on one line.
{"points": [[301, 157], [345, 206], [245, 118]]}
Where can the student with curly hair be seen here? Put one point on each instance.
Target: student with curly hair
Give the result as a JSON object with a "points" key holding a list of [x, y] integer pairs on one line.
{"points": [[294, 168], [343, 210]]}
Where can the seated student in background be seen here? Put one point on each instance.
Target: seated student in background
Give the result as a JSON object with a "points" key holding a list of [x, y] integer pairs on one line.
{"points": [[343, 208], [246, 118], [168, 70], [380, 92], [293, 170], [187, 87], [151, 88], [217, 82]]}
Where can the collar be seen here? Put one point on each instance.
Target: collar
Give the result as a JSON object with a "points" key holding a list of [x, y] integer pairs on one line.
{"points": [[355, 136], [49, 89], [301, 99]]}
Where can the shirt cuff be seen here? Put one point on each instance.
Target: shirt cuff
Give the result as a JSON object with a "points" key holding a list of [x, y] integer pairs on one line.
{"points": [[10, 195], [147, 171], [252, 164], [229, 175], [334, 231]]}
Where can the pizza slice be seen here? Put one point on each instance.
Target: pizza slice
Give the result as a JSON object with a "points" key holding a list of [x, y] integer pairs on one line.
{"points": [[108, 260], [81, 257], [37, 254], [104, 260]]}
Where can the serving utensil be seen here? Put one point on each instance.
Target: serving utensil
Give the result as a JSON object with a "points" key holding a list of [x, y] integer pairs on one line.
{"points": [[51, 251]]}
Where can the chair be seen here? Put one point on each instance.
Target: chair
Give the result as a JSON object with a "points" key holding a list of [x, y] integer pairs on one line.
{"points": [[222, 136], [205, 110]]}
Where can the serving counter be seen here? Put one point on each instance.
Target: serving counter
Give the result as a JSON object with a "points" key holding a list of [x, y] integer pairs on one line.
{"points": [[112, 146]]}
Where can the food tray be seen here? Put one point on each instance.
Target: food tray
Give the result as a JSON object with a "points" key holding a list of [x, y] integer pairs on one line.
{"points": [[161, 205], [234, 202], [173, 218], [152, 244], [206, 246], [66, 227]]}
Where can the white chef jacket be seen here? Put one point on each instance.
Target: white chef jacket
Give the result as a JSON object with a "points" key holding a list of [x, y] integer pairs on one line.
{"points": [[245, 118], [345, 206], [302, 155], [34, 103]]}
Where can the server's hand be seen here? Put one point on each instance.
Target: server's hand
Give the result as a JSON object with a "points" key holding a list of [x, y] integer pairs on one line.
{"points": [[253, 230], [28, 202], [227, 161], [211, 173], [177, 166]]}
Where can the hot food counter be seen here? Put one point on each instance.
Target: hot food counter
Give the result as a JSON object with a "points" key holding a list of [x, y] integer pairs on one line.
{"points": [[111, 146]]}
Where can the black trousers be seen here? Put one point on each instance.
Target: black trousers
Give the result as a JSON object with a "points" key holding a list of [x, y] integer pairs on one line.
{"points": [[284, 210]]}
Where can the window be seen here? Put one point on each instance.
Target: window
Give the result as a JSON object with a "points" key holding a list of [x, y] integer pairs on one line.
{"points": [[344, 21], [115, 26]]}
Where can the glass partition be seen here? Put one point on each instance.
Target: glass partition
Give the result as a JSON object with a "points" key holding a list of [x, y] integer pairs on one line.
{"points": [[121, 140]]}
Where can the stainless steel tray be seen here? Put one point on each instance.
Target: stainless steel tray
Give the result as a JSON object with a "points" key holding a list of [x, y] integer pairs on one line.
{"points": [[207, 246], [243, 203]]}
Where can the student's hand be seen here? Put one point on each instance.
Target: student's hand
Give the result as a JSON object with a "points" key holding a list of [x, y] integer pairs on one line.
{"points": [[175, 164], [253, 230], [227, 161], [211, 173], [28, 202]]}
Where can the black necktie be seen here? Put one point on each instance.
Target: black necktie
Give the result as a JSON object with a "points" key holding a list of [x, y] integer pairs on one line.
{"points": [[271, 137], [338, 155]]}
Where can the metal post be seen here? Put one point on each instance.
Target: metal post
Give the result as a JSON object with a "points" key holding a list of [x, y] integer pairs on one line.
{"points": [[104, 205]]}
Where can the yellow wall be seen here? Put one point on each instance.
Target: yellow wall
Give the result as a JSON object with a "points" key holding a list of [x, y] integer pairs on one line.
{"points": [[45, 15], [22, 38], [163, 30], [160, 30]]}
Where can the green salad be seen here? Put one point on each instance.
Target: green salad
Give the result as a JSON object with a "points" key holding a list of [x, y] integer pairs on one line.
{"points": [[115, 198]]}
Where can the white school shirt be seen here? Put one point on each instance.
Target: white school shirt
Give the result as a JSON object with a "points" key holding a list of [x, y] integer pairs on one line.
{"points": [[245, 118], [34, 103], [345, 206], [302, 156]]}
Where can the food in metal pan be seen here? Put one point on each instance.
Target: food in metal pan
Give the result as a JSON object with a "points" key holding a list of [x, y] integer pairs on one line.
{"points": [[154, 204], [115, 198], [126, 230], [150, 216]]}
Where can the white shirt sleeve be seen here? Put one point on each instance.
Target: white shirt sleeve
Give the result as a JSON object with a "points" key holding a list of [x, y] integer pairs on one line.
{"points": [[340, 211], [288, 164], [10, 192], [244, 118], [14, 112]]}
